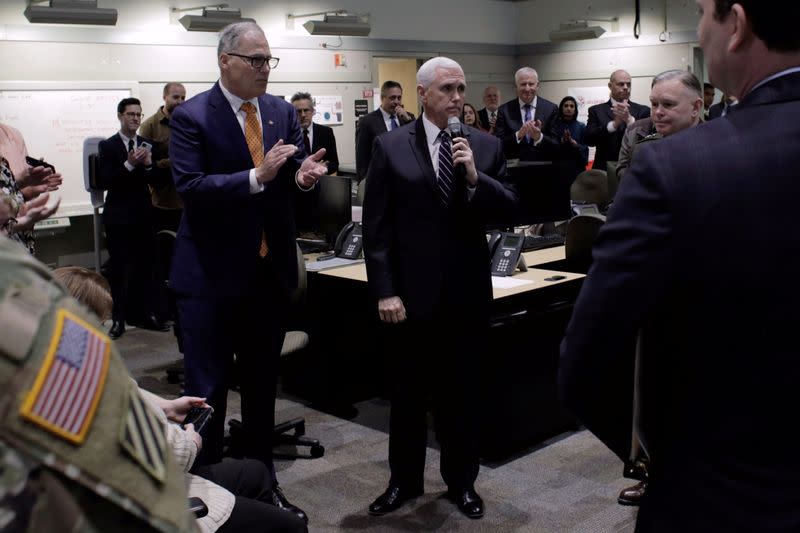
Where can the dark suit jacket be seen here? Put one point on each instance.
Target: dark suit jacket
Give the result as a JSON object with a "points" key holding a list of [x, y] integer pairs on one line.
{"points": [[306, 209], [417, 249], [483, 114], [369, 126], [128, 198], [509, 121], [715, 111], [217, 246], [693, 252], [608, 144]]}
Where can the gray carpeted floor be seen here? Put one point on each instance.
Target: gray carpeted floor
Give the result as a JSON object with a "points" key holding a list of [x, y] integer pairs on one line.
{"points": [[569, 484]]}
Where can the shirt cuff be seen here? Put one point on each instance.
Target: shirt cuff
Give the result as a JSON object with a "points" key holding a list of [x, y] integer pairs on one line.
{"points": [[255, 186], [631, 119], [610, 126], [471, 191], [541, 138], [129, 166], [516, 136]]}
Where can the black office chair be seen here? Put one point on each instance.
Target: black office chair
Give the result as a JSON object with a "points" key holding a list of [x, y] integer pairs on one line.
{"points": [[294, 342], [582, 231]]}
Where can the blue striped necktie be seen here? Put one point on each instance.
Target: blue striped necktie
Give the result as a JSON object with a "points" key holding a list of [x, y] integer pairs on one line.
{"points": [[445, 178], [527, 118], [394, 122]]}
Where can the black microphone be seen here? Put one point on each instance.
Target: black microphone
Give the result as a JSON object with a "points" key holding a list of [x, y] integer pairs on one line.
{"points": [[454, 127]]}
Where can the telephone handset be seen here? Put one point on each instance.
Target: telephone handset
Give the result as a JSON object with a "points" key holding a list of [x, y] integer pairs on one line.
{"points": [[506, 252], [349, 242]]}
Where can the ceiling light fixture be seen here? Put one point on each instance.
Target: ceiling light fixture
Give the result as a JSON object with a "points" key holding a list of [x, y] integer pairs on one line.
{"points": [[70, 12], [336, 23], [579, 29], [214, 17]]}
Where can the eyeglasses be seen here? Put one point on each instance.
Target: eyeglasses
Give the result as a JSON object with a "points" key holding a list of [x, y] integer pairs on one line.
{"points": [[258, 62]]}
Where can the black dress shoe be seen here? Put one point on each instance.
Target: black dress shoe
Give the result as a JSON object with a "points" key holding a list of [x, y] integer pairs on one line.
{"points": [[117, 329], [276, 498], [150, 322], [633, 495], [468, 502], [635, 470], [392, 499]]}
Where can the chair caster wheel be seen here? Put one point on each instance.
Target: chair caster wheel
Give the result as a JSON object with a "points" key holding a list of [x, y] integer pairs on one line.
{"points": [[317, 451]]}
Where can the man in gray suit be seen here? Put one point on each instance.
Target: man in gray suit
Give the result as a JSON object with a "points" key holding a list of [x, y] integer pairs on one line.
{"points": [[690, 257]]}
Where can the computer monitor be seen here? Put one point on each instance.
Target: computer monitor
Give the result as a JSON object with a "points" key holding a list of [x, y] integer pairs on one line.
{"points": [[542, 190], [335, 201]]}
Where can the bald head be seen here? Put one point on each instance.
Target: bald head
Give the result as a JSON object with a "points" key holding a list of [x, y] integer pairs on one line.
{"points": [[620, 85]]}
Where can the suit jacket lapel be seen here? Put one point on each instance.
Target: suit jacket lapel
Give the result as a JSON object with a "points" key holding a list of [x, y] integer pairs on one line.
{"points": [[226, 121], [269, 121], [419, 147]]}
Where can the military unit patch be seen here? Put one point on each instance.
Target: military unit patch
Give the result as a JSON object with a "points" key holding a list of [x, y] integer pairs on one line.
{"points": [[143, 436], [69, 384]]}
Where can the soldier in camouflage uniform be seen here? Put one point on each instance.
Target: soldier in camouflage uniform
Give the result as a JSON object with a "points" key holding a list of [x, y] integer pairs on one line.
{"points": [[71, 458]]}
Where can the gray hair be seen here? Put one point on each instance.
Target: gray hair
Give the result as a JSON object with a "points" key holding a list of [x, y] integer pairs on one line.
{"points": [[523, 71], [230, 35], [303, 96], [688, 79], [427, 72]]}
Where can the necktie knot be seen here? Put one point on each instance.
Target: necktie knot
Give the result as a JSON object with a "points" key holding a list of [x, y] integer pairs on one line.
{"points": [[393, 119], [248, 108]]}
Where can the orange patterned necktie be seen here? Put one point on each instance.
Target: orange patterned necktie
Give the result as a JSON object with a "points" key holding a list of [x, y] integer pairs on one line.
{"points": [[255, 143]]}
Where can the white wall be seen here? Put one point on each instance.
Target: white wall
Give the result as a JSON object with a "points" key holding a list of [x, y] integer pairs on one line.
{"points": [[148, 47]]}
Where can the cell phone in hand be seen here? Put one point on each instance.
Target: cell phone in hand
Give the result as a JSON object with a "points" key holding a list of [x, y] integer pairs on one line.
{"points": [[198, 416], [32, 161], [146, 146]]}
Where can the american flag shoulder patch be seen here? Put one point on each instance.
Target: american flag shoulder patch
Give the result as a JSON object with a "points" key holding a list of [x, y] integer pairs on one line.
{"points": [[143, 436], [70, 382]]}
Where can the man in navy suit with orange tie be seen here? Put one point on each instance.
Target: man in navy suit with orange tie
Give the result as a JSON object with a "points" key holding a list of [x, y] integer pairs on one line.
{"points": [[426, 207], [699, 253], [236, 160]]}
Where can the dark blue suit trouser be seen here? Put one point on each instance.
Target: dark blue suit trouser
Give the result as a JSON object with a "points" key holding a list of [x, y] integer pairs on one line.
{"points": [[251, 326], [434, 364]]}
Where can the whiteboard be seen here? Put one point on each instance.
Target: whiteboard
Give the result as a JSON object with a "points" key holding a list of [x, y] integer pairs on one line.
{"points": [[54, 124]]}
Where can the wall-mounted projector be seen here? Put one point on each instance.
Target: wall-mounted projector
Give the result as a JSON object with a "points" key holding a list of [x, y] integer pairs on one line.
{"points": [[213, 19], [71, 12], [576, 31], [338, 25]]}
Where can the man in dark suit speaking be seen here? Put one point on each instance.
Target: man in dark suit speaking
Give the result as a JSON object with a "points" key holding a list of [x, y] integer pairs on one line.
{"points": [[608, 121], [237, 157], [315, 137], [522, 123], [694, 255], [425, 212]]}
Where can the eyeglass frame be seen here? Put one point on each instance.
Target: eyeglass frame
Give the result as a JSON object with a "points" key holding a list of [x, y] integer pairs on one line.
{"points": [[251, 60]]}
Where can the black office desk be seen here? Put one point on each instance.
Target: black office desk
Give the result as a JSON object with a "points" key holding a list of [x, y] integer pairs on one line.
{"points": [[519, 400]]}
